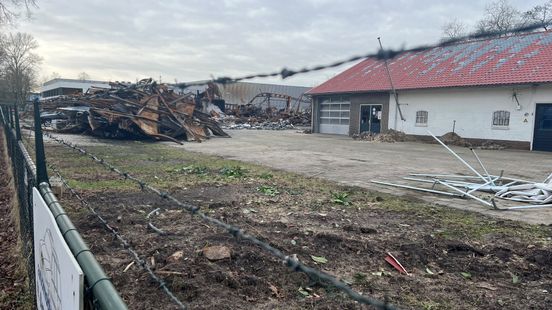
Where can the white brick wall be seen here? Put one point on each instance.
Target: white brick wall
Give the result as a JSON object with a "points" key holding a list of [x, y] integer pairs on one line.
{"points": [[472, 108]]}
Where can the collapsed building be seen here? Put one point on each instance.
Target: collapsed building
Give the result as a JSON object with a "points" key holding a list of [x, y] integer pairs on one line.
{"points": [[136, 111], [246, 105]]}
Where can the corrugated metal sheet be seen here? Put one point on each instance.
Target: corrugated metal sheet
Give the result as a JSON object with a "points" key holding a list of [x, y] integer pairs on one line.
{"points": [[516, 59]]}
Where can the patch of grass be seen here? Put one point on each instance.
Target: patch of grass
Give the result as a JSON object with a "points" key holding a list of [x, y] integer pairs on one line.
{"points": [[157, 163], [341, 198], [268, 190], [266, 176], [95, 185], [193, 169], [233, 172]]}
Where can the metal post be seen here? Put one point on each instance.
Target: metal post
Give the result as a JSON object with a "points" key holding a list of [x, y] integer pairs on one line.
{"points": [[10, 119], [457, 156], [41, 172], [481, 164], [393, 90], [465, 193], [16, 117]]}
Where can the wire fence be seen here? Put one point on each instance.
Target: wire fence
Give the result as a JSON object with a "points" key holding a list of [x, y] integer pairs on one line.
{"points": [[236, 232], [125, 243], [99, 292], [24, 180]]}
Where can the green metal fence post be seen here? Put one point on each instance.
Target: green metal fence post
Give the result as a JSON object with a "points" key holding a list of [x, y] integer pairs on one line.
{"points": [[98, 282], [16, 117], [10, 120], [41, 173]]}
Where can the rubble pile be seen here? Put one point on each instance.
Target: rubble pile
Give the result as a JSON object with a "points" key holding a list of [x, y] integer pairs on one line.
{"points": [[281, 124], [491, 145], [452, 138], [388, 136], [258, 118], [142, 110]]}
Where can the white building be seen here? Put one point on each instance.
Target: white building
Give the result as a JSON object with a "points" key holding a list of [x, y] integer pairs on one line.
{"points": [[488, 89], [64, 87]]}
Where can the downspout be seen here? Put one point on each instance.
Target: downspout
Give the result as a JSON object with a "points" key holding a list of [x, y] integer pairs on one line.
{"points": [[393, 90]]}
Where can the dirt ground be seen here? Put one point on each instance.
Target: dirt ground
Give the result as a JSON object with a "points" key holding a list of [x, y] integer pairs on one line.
{"points": [[356, 163], [13, 281], [456, 259]]}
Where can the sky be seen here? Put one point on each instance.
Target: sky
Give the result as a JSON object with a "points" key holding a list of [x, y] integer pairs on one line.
{"points": [[123, 40]]}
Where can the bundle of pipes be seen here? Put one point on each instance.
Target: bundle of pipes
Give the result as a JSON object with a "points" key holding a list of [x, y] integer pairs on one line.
{"points": [[144, 109], [539, 195]]}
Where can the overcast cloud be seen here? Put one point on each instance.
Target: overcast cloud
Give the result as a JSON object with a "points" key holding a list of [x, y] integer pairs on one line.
{"points": [[193, 40]]}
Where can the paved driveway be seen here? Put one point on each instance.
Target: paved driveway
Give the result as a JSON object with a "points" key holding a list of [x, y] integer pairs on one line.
{"points": [[344, 160]]}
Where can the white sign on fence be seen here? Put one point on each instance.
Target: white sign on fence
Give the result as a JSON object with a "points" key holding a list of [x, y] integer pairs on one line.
{"points": [[59, 278]]}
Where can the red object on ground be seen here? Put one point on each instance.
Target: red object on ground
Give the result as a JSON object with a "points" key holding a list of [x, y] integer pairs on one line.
{"points": [[395, 263]]}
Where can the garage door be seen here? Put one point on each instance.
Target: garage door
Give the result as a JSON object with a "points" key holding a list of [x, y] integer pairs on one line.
{"points": [[542, 138], [334, 118]]}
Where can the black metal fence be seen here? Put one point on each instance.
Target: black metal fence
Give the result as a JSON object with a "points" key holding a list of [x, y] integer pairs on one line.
{"points": [[24, 172], [99, 292]]}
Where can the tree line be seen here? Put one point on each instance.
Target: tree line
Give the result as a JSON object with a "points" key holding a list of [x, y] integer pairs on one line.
{"points": [[18, 60], [502, 17]]}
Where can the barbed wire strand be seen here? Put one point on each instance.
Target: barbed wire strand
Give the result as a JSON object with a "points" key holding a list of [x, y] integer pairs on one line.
{"points": [[237, 232], [121, 239], [380, 54]]}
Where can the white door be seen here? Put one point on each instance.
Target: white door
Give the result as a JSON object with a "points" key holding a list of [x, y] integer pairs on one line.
{"points": [[334, 118]]}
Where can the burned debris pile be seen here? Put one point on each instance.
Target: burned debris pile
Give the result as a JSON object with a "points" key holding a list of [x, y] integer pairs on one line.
{"points": [[135, 111], [278, 114]]}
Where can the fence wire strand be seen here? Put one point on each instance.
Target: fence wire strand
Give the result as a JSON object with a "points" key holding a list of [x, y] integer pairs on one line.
{"points": [[121, 239], [380, 54], [235, 231]]}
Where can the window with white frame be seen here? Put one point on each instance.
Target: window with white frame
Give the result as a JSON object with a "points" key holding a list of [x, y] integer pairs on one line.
{"points": [[421, 118], [501, 118]]}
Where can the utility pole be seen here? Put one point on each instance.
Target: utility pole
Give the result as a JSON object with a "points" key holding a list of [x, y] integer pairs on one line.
{"points": [[395, 95]]}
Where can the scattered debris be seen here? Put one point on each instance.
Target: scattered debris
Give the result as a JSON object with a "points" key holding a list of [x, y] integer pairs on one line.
{"points": [[452, 138], [128, 266], [491, 145], [255, 125], [319, 259], [217, 252], [175, 257], [265, 115], [136, 111], [387, 136], [498, 186], [466, 275]]}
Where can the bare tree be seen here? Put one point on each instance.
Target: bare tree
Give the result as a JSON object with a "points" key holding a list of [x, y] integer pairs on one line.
{"points": [[540, 15], [83, 76], [55, 75], [454, 29], [500, 16], [10, 10], [19, 64]]}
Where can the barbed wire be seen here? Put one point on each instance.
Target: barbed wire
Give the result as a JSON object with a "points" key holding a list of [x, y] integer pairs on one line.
{"points": [[237, 232], [380, 54], [121, 239]]}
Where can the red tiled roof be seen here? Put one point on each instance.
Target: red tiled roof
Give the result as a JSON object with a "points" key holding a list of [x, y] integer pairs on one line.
{"points": [[517, 59]]}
